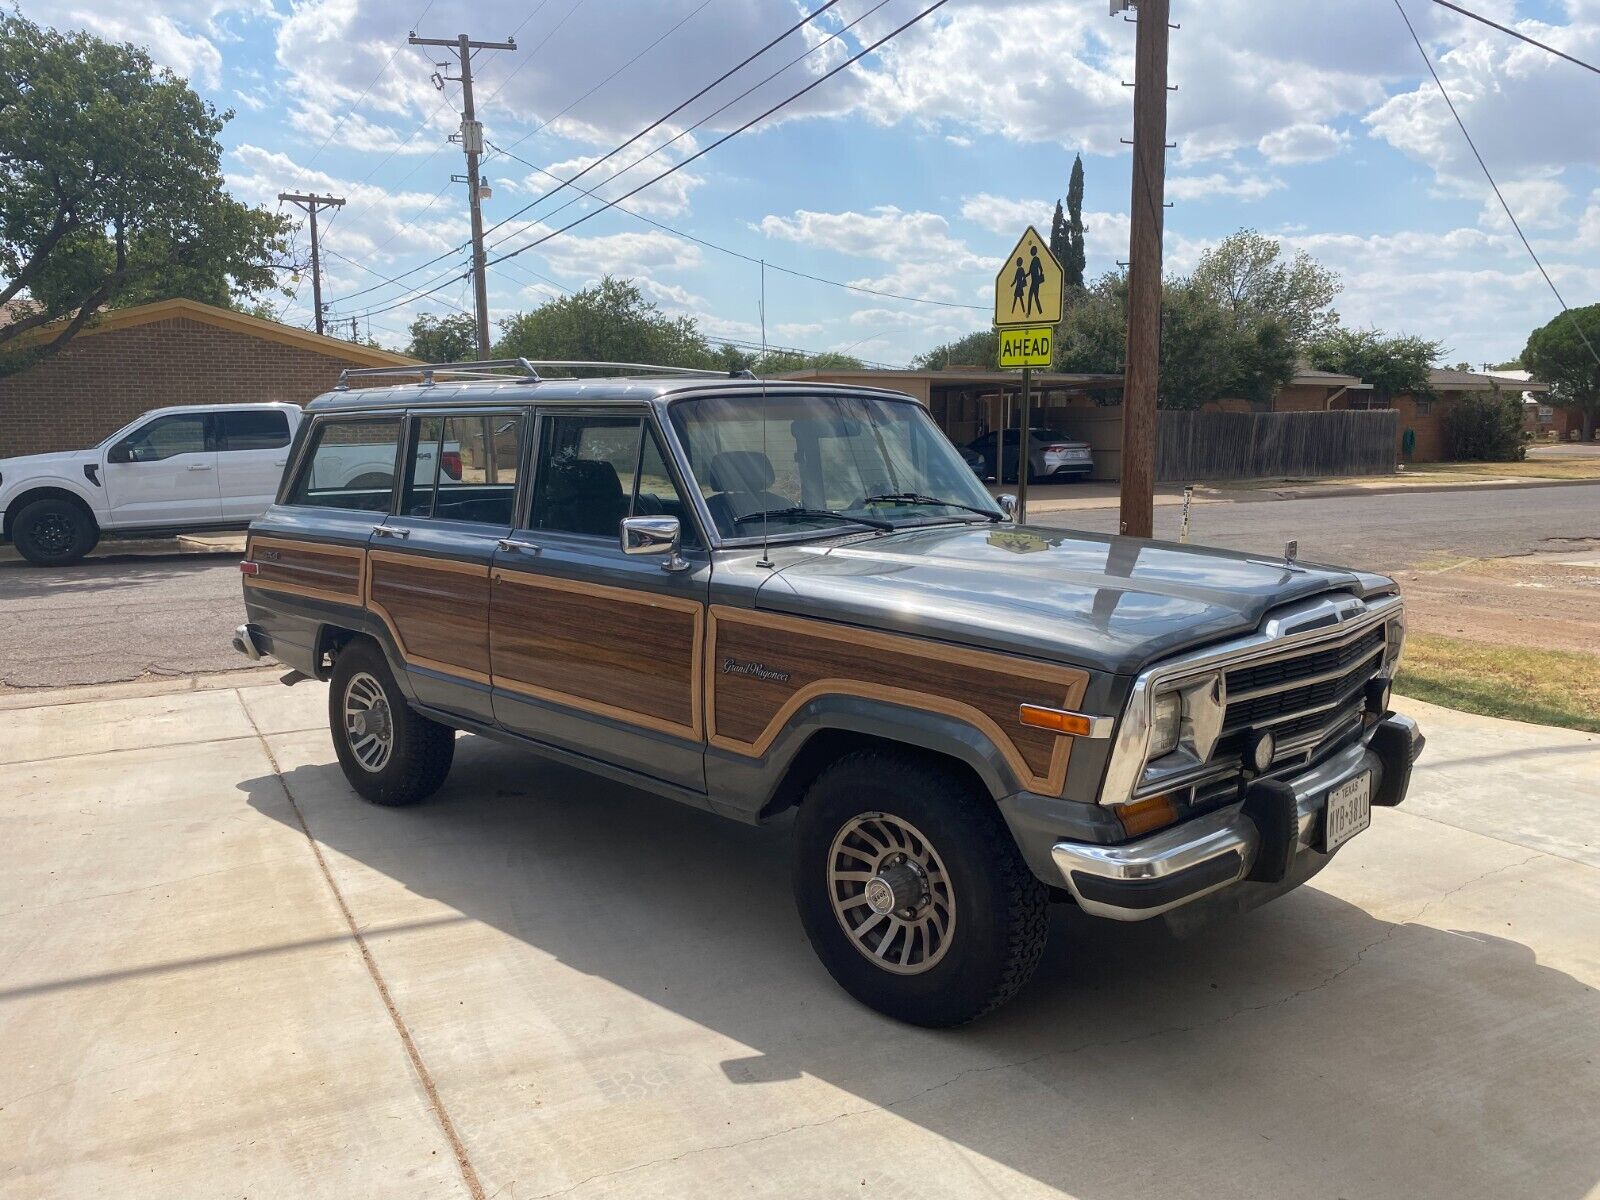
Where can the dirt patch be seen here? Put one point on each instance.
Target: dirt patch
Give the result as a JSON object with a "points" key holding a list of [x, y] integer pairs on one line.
{"points": [[1549, 600]]}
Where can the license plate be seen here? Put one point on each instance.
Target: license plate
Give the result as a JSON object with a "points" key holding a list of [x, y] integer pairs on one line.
{"points": [[1349, 811]]}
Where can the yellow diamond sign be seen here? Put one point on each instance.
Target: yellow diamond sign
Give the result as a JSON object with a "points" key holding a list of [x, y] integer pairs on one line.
{"points": [[1027, 291], [1026, 345]]}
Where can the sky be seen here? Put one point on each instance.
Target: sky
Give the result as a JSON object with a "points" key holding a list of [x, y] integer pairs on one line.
{"points": [[912, 171]]}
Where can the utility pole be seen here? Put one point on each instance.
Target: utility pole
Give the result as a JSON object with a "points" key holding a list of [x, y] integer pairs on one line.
{"points": [[1142, 373], [313, 203], [472, 143]]}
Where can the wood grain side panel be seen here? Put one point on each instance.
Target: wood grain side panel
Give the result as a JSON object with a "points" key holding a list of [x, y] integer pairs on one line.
{"points": [[437, 610], [306, 568], [761, 668], [630, 655]]}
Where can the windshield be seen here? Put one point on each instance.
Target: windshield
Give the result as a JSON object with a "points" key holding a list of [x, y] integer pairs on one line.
{"points": [[807, 462]]}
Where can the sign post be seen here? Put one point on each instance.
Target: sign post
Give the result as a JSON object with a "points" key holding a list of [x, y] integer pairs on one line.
{"points": [[1027, 308]]}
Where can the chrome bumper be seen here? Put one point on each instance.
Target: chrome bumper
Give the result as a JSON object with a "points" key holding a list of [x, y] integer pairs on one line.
{"points": [[1151, 876], [244, 641]]}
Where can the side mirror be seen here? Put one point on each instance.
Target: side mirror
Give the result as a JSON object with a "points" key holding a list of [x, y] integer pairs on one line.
{"points": [[120, 453], [655, 535], [1008, 505]]}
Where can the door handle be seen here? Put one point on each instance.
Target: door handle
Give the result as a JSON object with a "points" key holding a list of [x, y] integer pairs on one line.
{"points": [[278, 462], [512, 546], [389, 532], [199, 466]]}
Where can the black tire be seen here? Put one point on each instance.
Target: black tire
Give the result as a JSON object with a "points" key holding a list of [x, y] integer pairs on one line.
{"points": [[419, 751], [999, 908], [54, 532]]}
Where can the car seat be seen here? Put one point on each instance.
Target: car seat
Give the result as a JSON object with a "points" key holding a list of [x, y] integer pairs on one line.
{"points": [[742, 480], [583, 495]]}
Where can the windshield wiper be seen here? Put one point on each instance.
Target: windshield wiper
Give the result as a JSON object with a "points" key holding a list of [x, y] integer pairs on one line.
{"points": [[802, 514], [916, 498]]}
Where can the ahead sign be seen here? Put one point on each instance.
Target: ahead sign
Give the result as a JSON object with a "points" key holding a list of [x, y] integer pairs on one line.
{"points": [[1026, 346], [1027, 291]]}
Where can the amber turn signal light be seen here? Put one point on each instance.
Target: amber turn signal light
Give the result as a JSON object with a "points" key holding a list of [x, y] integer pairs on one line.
{"points": [[1153, 812], [1057, 719]]}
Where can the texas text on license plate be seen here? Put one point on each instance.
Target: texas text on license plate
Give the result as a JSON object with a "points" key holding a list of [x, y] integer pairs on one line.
{"points": [[1349, 811]]}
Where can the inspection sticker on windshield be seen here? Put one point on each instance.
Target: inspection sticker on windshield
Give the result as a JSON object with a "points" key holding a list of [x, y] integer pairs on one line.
{"points": [[1349, 811]]}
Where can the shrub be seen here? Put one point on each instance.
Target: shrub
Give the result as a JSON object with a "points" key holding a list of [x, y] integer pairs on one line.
{"points": [[1484, 427]]}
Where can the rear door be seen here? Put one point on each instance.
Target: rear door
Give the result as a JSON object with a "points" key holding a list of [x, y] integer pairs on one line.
{"points": [[591, 649], [252, 448], [429, 562], [164, 473]]}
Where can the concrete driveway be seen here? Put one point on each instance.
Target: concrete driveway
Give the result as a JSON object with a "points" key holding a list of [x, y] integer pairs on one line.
{"points": [[221, 975]]}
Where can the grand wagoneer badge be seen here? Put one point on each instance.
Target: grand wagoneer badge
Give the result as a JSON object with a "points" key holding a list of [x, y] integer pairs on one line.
{"points": [[755, 670]]}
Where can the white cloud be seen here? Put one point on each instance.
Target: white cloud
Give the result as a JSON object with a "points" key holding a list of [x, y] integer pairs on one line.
{"points": [[1536, 203], [999, 214], [1303, 142], [1208, 187]]}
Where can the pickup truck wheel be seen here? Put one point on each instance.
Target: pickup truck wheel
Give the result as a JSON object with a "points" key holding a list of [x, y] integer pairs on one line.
{"points": [[390, 754], [912, 891], [54, 533]]}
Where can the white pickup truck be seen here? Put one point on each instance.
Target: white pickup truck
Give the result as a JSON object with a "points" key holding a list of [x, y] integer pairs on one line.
{"points": [[173, 470]]}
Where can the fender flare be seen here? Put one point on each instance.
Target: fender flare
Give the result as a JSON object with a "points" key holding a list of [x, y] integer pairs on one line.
{"points": [[50, 486]]}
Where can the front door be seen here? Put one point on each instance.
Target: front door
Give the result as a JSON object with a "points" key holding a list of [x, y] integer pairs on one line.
{"points": [[429, 562], [164, 473], [591, 649], [252, 447]]}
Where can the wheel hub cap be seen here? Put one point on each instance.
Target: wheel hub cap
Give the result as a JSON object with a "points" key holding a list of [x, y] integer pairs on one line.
{"points": [[891, 893], [369, 732]]}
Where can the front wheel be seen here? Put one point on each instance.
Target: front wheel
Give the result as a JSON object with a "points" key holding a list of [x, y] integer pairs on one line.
{"points": [[912, 891], [54, 532], [390, 754]]}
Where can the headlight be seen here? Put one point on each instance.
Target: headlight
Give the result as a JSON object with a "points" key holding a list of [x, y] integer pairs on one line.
{"points": [[1166, 724], [1394, 641]]}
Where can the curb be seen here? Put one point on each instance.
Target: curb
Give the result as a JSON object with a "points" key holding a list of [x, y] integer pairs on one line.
{"points": [[1315, 492]]}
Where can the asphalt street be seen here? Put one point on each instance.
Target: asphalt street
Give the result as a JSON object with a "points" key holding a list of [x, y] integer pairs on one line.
{"points": [[121, 615]]}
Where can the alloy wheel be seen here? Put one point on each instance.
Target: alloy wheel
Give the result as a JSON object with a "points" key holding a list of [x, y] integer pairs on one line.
{"points": [[891, 893]]}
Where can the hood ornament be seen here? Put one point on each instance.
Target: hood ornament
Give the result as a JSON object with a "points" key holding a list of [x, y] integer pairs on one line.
{"points": [[1291, 551]]}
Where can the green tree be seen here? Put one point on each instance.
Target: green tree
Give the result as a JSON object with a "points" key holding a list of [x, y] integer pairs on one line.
{"points": [[609, 322], [1391, 364], [1248, 275], [113, 190], [1058, 235], [1557, 354], [1205, 354], [443, 339], [980, 348], [1073, 263], [1485, 427], [777, 362]]}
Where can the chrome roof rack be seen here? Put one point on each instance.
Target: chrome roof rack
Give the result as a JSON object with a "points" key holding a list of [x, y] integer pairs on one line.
{"points": [[488, 368], [529, 370]]}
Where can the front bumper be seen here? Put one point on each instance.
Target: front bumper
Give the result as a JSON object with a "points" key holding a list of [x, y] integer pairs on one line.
{"points": [[1264, 838]]}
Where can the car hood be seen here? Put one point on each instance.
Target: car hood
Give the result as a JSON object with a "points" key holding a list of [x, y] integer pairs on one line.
{"points": [[58, 463], [1102, 602]]}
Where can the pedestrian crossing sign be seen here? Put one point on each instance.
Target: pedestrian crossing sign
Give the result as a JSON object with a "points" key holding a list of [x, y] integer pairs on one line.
{"points": [[1026, 346], [1027, 291]]}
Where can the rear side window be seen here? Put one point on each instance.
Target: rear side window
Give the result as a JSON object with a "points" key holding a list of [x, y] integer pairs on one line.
{"points": [[350, 464], [464, 468], [252, 429]]}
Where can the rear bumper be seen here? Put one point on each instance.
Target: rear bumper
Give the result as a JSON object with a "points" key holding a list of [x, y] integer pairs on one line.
{"points": [[250, 642], [1269, 838]]}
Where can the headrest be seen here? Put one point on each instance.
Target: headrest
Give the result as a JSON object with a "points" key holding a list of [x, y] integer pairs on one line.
{"points": [[741, 471], [582, 479]]}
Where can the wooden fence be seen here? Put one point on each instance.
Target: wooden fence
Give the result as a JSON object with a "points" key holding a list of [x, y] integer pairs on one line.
{"points": [[1286, 445]]}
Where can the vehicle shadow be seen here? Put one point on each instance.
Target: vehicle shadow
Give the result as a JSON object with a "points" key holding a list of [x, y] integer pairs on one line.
{"points": [[105, 573], [1304, 1049]]}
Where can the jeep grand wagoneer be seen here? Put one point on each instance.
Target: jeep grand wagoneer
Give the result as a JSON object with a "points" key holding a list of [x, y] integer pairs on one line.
{"points": [[761, 596]]}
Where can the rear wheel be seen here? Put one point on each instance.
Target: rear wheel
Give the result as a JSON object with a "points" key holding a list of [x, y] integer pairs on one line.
{"points": [[912, 891], [390, 754], [54, 532]]}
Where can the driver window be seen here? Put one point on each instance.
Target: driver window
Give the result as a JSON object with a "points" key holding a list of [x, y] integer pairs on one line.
{"points": [[166, 437]]}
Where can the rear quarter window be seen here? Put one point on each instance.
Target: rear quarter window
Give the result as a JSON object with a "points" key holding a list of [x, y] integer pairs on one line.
{"points": [[350, 464]]}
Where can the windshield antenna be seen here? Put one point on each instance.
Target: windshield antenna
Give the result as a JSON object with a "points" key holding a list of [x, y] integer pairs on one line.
{"points": [[766, 557]]}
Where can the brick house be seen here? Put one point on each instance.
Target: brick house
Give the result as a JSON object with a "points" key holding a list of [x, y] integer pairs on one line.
{"points": [[170, 352]]}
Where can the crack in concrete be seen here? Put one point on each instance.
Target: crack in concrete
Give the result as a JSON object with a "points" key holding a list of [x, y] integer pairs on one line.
{"points": [[1066, 1052], [469, 1174]]}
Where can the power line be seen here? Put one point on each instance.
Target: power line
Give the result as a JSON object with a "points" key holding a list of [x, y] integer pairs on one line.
{"points": [[1510, 216], [683, 133], [1506, 29], [532, 54], [654, 124], [659, 39], [363, 267], [739, 66], [821, 79], [750, 258]]}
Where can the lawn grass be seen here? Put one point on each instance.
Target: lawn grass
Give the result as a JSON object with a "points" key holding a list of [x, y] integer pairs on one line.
{"points": [[1533, 468], [1542, 687]]}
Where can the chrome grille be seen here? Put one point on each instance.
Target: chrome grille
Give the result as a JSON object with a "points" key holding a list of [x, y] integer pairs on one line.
{"points": [[1302, 698]]}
